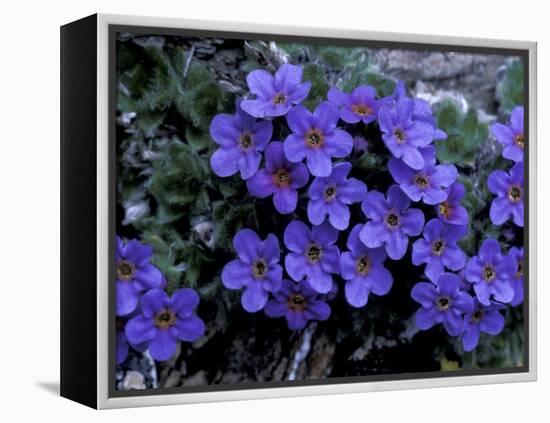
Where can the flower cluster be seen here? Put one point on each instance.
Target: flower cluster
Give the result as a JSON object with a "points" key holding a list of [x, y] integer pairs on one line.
{"points": [[492, 279], [147, 318], [508, 186], [338, 231]]}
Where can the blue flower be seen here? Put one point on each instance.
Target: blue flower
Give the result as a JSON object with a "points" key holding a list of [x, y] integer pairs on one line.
{"points": [[511, 136], [508, 187], [391, 221], [312, 255], [490, 273], [442, 302], [298, 303], [315, 138], [516, 255], [275, 95], [364, 271], [451, 210], [438, 249], [404, 135], [241, 139], [360, 105], [134, 274], [331, 196], [428, 183], [256, 269], [280, 178], [483, 318], [164, 321]]}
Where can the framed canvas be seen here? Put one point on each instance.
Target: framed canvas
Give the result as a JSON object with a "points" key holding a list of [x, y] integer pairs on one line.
{"points": [[254, 211]]}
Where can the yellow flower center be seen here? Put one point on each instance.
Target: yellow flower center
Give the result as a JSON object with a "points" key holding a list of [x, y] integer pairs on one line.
{"points": [[361, 109], [125, 270], [400, 135], [297, 302], [281, 178], [363, 266], [280, 98], [515, 193], [259, 269], [165, 318], [314, 253], [519, 140], [315, 138]]}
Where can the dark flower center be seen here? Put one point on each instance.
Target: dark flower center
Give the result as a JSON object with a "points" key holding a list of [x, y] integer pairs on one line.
{"points": [[489, 273], [400, 135], [330, 193], [444, 209], [392, 220], [245, 140], [520, 140], [514, 193], [315, 138], [477, 316], [361, 109], [259, 269], [438, 247], [282, 178], [280, 98], [297, 302], [519, 272], [443, 303], [363, 266], [165, 318], [421, 181], [314, 253], [125, 270]]}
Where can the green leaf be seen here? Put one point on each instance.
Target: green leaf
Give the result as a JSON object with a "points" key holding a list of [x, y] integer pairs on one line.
{"points": [[510, 91], [319, 87], [466, 135]]}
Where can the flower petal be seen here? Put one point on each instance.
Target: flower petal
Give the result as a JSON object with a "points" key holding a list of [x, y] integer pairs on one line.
{"points": [[139, 329], [189, 329], [236, 274], [225, 161], [254, 298], [163, 346]]}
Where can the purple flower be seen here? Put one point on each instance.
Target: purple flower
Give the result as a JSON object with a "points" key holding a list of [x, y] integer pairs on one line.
{"points": [[391, 221], [428, 183], [298, 303], [134, 274], [241, 139], [166, 320], [486, 319], [315, 138], [280, 178], [516, 255], [275, 95], [360, 105], [490, 273], [364, 271], [402, 134], [331, 196], [438, 249], [508, 187], [312, 254], [451, 211], [422, 110], [442, 302], [256, 269], [511, 136], [122, 344]]}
